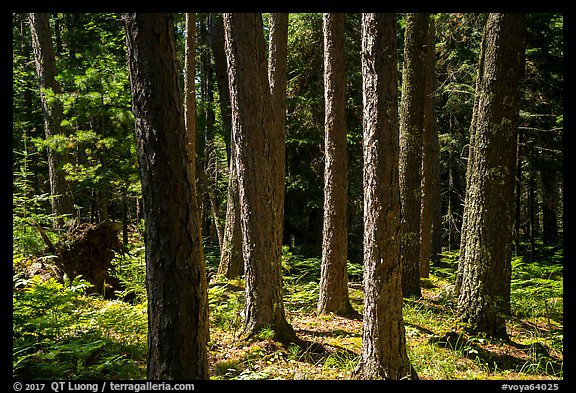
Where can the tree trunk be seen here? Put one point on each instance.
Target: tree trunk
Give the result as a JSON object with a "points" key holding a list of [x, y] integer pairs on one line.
{"points": [[190, 95], [231, 262], [277, 74], [383, 353], [216, 34], [430, 203], [484, 299], [411, 134], [175, 274], [208, 174], [333, 295], [61, 197], [254, 129]]}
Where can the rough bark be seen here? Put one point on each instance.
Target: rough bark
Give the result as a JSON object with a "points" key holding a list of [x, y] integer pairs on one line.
{"points": [[231, 262], [253, 129], [484, 299], [61, 198], [333, 296], [175, 274], [411, 134], [383, 353]]}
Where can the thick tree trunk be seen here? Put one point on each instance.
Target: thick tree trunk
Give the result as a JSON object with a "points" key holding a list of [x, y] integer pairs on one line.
{"points": [[333, 295], [254, 128], [484, 299], [61, 197], [411, 134], [175, 274], [383, 340]]}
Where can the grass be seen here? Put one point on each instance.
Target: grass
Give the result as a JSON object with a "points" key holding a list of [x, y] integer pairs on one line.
{"points": [[60, 333]]}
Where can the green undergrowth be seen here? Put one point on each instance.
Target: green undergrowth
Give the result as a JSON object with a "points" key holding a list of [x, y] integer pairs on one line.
{"points": [[61, 333]]}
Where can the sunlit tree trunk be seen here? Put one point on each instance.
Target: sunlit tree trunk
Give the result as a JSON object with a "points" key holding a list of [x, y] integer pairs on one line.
{"points": [[486, 248], [383, 353], [253, 129], [231, 262], [333, 296]]}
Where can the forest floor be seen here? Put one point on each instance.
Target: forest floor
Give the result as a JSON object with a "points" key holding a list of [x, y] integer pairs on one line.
{"points": [[436, 347], [60, 332]]}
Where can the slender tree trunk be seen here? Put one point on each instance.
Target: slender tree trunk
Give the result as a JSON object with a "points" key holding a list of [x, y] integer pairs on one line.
{"points": [[254, 129], [383, 353], [411, 134], [430, 203], [333, 295], [61, 197], [175, 274], [190, 94], [208, 173], [484, 299], [231, 262], [216, 34], [277, 74]]}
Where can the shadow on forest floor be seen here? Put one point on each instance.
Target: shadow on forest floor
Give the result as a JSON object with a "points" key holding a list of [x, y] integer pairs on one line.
{"points": [[501, 354]]}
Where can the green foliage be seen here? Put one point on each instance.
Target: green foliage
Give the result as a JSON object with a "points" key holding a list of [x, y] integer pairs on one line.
{"points": [[130, 269], [28, 206], [58, 333], [537, 290], [98, 139], [266, 333], [299, 296], [225, 307], [305, 269], [211, 257], [342, 360], [447, 265]]}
